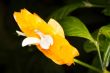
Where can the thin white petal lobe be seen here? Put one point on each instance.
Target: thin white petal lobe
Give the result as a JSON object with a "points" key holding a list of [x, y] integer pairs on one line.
{"points": [[30, 41]]}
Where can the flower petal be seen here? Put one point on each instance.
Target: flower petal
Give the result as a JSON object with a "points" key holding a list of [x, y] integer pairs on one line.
{"points": [[48, 39], [30, 41], [57, 27], [61, 52], [44, 44], [29, 22]]}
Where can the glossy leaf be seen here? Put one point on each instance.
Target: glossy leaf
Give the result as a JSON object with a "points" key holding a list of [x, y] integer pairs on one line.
{"points": [[74, 27]]}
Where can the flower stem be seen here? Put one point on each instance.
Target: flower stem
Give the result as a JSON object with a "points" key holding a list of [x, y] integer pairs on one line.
{"points": [[87, 65]]}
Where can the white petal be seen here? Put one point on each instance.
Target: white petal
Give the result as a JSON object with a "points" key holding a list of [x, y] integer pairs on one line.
{"points": [[44, 44], [39, 33], [48, 39], [20, 33], [30, 41]]}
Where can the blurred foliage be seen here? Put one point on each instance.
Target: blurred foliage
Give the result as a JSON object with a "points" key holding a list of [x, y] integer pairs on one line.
{"points": [[74, 16], [66, 10], [100, 2]]}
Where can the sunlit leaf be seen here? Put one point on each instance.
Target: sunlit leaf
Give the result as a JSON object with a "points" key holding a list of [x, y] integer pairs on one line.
{"points": [[74, 27]]}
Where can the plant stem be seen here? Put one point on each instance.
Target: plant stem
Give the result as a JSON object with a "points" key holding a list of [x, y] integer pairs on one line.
{"points": [[100, 58], [106, 57], [87, 65]]}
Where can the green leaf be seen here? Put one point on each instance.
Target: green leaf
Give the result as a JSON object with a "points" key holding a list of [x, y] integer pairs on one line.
{"points": [[105, 30], [103, 36], [74, 27], [106, 71], [88, 45], [64, 11]]}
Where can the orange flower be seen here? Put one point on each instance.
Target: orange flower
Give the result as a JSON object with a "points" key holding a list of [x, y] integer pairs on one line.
{"points": [[48, 37]]}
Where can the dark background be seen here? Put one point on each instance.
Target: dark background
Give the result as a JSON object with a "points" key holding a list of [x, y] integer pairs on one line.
{"points": [[15, 59]]}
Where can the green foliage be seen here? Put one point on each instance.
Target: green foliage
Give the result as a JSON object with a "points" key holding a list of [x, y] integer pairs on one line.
{"points": [[105, 30], [99, 41], [74, 27], [89, 46], [106, 71], [64, 11], [106, 11], [103, 38]]}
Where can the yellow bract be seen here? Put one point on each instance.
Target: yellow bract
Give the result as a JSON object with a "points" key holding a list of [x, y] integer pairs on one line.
{"points": [[28, 23], [56, 26], [61, 52]]}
